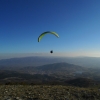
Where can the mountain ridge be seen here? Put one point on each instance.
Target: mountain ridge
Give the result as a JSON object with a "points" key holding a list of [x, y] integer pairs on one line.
{"points": [[38, 60]]}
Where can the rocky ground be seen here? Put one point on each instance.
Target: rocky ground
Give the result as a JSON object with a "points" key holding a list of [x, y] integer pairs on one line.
{"points": [[47, 92]]}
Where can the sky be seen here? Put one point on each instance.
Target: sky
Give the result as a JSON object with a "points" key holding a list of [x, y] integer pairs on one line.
{"points": [[76, 21]]}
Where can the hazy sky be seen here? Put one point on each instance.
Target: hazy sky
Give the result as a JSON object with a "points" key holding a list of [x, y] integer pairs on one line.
{"points": [[76, 21]]}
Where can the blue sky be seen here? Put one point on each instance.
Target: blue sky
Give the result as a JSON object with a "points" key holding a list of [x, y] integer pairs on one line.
{"points": [[76, 21]]}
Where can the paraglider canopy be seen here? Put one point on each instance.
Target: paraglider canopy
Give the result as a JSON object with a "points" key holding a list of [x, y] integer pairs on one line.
{"points": [[44, 33]]}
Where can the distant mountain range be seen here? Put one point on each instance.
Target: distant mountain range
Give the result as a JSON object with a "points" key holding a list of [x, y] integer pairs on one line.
{"points": [[55, 68], [57, 73], [61, 68], [38, 61]]}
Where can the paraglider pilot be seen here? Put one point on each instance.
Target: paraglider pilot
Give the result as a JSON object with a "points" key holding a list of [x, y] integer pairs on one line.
{"points": [[51, 51]]}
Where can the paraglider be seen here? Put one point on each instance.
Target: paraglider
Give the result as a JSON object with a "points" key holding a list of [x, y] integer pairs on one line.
{"points": [[51, 51], [44, 33]]}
